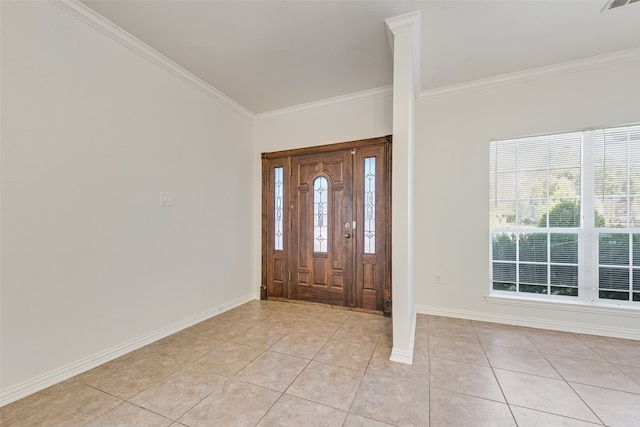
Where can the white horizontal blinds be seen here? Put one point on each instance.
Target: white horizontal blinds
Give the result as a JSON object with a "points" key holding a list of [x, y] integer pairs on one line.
{"points": [[565, 177], [612, 177], [503, 184], [535, 204], [617, 202], [634, 176], [503, 214], [530, 176], [278, 194], [636, 266], [532, 185], [634, 208], [532, 181]]}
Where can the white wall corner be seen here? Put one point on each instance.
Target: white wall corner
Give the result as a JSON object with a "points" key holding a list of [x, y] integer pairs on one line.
{"points": [[108, 28], [406, 69], [33, 385]]}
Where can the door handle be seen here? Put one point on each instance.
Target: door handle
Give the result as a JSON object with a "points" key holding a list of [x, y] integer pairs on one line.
{"points": [[347, 235]]}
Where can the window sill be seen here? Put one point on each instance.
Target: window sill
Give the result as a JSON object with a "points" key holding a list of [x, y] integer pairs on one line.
{"points": [[578, 306]]}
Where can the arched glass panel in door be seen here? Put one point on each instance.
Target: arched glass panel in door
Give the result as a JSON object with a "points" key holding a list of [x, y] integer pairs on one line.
{"points": [[320, 214]]}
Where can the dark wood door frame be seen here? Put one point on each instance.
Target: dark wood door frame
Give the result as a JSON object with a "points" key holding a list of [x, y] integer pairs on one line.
{"points": [[276, 265]]}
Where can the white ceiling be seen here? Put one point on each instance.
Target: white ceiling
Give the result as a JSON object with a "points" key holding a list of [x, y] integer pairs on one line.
{"points": [[268, 55]]}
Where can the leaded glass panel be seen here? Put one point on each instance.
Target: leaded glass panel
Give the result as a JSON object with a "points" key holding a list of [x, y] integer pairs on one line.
{"points": [[278, 186], [370, 205], [320, 214]]}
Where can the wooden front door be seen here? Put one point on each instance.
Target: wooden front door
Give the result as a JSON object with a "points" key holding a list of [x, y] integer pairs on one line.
{"points": [[326, 216], [321, 258]]}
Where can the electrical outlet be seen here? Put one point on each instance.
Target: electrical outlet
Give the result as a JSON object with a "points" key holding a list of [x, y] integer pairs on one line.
{"points": [[166, 199], [437, 278]]}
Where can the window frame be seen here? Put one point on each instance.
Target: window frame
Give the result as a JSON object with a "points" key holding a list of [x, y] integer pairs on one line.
{"points": [[588, 234]]}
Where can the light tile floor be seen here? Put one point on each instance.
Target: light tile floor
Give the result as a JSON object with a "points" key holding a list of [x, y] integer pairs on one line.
{"points": [[272, 363]]}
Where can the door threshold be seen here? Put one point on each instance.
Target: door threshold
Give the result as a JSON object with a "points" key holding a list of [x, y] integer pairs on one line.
{"points": [[332, 306]]}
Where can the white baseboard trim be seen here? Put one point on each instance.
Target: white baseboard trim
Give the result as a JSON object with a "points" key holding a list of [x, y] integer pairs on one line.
{"points": [[401, 356], [554, 325], [33, 385], [404, 356]]}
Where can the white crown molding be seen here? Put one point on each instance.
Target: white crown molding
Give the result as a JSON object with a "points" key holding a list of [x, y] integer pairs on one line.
{"points": [[534, 322], [108, 28], [605, 60], [343, 99], [33, 385]]}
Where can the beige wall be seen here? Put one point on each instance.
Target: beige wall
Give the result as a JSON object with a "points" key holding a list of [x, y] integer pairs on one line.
{"points": [[91, 134], [452, 185], [365, 115]]}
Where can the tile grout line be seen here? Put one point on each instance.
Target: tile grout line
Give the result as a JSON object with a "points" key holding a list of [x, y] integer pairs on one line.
{"points": [[484, 351], [294, 380], [569, 384]]}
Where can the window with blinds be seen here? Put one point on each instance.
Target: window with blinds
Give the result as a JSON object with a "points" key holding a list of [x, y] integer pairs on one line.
{"points": [[565, 215], [617, 199]]}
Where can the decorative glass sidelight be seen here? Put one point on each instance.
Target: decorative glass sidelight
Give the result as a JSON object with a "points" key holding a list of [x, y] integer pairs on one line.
{"points": [[320, 214], [278, 190], [370, 205]]}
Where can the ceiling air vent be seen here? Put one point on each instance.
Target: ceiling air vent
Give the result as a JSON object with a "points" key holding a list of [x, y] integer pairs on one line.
{"points": [[612, 4]]}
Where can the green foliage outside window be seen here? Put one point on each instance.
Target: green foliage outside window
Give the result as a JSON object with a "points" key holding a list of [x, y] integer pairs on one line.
{"points": [[535, 247], [567, 214]]}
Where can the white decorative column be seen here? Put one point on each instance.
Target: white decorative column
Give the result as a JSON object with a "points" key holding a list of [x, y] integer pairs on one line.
{"points": [[404, 35]]}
